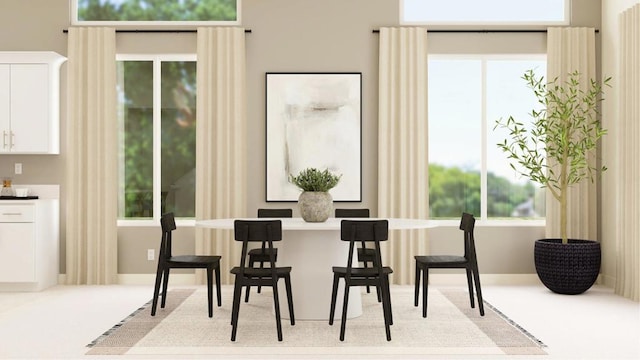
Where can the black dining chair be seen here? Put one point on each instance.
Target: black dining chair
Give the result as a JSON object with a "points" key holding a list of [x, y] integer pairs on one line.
{"points": [[261, 254], [356, 231], [467, 261], [269, 231], [365, 255], [168, 261]]}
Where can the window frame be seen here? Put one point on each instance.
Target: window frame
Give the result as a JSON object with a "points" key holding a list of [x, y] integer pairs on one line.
{"points": [[484, 58], [74, 20], [157, 60], [498, 25]]}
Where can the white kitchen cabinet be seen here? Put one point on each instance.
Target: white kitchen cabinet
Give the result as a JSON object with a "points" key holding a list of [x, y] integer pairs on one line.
{"points": [[28, 244], [30, 102]]}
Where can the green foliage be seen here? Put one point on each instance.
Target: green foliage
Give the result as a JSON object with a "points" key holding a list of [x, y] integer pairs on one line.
{"points": [[178, 136], [453, 190], [312, 179], [157, 10], [556, 150]]}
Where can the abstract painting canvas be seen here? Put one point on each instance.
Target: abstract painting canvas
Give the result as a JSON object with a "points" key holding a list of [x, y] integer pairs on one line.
{"points": [[313, 120]]}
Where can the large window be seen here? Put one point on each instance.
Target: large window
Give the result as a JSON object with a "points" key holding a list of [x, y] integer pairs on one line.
{"points": [[467, 171], [485, 12], [157, 114], [155, 11]]}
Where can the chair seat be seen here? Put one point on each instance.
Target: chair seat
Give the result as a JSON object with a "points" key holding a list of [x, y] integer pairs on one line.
{"points": [[264, 272], [361, 272], [441, 260], [193, 261]]}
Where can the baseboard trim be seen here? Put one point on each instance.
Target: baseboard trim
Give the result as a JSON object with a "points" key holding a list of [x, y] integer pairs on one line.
{"points": [[144, 279]]}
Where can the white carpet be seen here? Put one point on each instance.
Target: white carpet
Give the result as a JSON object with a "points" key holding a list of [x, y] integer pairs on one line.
{"points": [[183, 328]]}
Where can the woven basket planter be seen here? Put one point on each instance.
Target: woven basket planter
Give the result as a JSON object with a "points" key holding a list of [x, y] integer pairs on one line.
{"points": [[567, 268]]}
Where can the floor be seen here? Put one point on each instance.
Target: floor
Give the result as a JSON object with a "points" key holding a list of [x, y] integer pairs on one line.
{"points": [[60, 321]]}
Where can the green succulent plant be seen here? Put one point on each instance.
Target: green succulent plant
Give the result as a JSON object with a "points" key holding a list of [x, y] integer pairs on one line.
{"points": [[312, 179]]}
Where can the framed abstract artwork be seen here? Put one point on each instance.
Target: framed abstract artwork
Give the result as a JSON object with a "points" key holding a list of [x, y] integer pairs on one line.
{"points": [[313, 120]]}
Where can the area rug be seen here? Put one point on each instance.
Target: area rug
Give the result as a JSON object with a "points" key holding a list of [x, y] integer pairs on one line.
{"points": [[183, 328]]}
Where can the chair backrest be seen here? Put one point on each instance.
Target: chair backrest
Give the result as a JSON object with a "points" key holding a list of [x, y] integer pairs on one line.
{"points": [[266, 231], [352, 213], [364, 231], [275, 213], [467, 224], [168, 224]]}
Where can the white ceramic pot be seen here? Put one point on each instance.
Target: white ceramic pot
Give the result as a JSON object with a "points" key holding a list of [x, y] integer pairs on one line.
{"points": [[315, 206]]}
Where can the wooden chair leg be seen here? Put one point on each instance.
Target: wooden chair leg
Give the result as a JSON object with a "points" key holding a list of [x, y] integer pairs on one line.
{"points": [[478, 291], [156, 290], [276, 304], [210, 290], [425, 290], [388, 294], [470, 285], [164, 288], [218, 287], [235, 310], [248, 287], [365, 266], [259, 286], [334, 295], [345, 303], [386, 307], [417, 287], [287, 283]]}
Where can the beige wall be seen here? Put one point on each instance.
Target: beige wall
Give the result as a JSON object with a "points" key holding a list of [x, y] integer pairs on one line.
{"points": [[611, 10], [292, 36]]}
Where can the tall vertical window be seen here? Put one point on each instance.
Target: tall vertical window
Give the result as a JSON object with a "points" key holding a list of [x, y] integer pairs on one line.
{"points": [[157, 118], [208, 12], [467, 171]]}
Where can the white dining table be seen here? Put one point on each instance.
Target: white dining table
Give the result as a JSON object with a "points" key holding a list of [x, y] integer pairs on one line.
{"points": [[312, 249]]}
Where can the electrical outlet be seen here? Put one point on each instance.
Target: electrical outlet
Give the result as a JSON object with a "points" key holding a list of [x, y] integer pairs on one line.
{"points": [[151, 254], [18, 168]]}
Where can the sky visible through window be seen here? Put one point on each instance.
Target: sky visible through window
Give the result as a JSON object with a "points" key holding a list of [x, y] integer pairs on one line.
{"points": [[455, 107], [485, 11], [467, 94]]}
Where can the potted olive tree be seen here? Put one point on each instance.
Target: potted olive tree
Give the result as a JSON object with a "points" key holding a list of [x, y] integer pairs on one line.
{"points": [[316, 204], [557, 150]]}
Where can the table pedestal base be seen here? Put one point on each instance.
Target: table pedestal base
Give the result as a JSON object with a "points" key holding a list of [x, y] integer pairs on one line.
{"points": [[311, 254]]}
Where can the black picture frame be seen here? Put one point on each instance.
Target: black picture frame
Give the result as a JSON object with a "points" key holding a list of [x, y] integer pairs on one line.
{"points": [[313, 119]]}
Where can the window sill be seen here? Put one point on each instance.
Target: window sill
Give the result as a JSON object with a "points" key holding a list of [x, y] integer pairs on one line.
{"points": [[495, 223]]}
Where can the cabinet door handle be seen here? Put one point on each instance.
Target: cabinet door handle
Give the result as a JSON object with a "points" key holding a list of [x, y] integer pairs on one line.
{"points": [[4, 139], [11, 140], [16, 214]]}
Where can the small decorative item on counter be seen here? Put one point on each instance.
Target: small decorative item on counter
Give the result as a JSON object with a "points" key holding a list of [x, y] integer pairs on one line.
{"points": [[7, 190], [22, 192]]}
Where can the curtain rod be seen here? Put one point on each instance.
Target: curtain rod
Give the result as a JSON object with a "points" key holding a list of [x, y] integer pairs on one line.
{"points": [[485, 31], [158, 31]]}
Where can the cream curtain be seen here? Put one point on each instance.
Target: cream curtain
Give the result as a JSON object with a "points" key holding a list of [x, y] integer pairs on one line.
{"points": [[91, 191], [628, 226], [402, 143], [221, 156], [569, 50]]}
